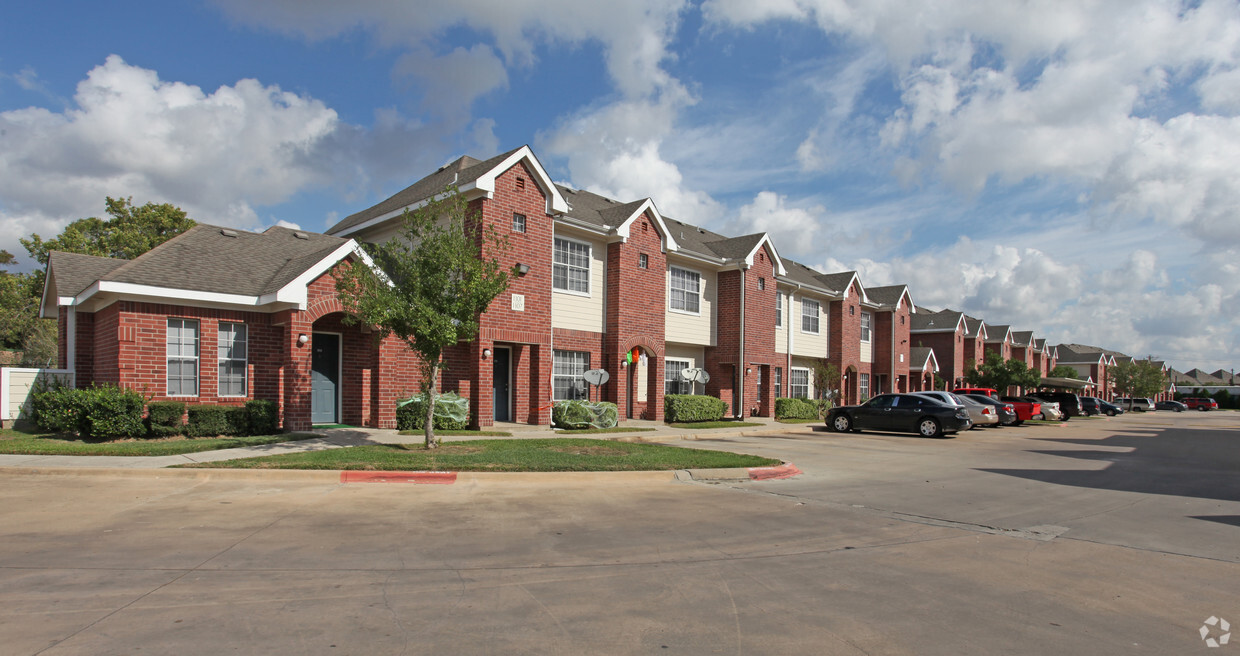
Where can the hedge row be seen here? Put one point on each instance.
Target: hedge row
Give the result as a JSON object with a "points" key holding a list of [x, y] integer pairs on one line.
{"points": [[108, 412], [681, 408], [451, 413], [786, 408], [581, 415]]}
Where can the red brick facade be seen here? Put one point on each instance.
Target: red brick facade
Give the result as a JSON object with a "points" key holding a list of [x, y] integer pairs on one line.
{"points": [[844, 344], [891, 348]]}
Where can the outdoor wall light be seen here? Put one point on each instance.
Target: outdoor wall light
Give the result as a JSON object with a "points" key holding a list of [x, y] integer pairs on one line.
{"points": [[486, 353], [302, 338], [623, 364], [523, 268]]}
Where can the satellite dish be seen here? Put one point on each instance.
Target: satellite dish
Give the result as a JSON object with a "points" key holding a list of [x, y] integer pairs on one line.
{"points": [[596, 376], [695, 375]]}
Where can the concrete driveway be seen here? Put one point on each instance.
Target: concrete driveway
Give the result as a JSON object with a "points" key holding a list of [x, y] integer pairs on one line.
{"points": [[995, 542]]}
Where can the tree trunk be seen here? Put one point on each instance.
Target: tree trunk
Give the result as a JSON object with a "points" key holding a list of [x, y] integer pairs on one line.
{"points": [[429, 428]]}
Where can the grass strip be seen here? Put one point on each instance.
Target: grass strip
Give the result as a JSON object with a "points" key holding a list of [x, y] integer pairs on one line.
{"points": [[463, 431], [715, 424], [530, 455], [24, 443], [587, 431], [798, 421]]}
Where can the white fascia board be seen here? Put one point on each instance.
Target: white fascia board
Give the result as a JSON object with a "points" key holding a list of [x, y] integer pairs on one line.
{"points": [[296, 290], [131, 289], [383, 218], [582, 225], [669, 242], [486, 182], [830, 294], [717, 262], [47, 280], [777, 261]]}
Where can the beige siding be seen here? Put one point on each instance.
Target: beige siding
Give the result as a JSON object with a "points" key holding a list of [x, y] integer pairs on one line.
{"points": [[781, 331], [808, 344], [804, 363], [695, 355], [17, 384], [867, 349], [688, 328], [575, 311]]}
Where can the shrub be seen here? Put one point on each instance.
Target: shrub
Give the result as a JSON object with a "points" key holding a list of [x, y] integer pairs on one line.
{"points": [[207, 420], [580, 415], [55, 407], [237, 419], [786, 408], [451, 412], [263, 417], [690, 407], [164, 418], [109, 412]]}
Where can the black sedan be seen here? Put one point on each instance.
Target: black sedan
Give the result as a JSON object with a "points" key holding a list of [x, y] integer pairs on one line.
{"points": [[1174, 406], [1109, 409], [900, 412]]}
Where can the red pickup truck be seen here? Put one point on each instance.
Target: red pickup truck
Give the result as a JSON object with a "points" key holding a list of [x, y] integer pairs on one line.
{"points": [[1025, 410]]}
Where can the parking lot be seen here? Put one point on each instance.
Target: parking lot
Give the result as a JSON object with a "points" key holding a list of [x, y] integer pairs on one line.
{"points": [[1096, 536]]}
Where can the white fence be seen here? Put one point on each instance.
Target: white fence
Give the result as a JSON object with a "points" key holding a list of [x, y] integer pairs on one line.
{"points": [[15, 386]]}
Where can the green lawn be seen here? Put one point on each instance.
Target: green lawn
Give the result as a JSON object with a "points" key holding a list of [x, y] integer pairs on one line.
{"points": [[715, 424], [798, 421], [34, 443], [588, 431], [464, 431], [534, 455]]}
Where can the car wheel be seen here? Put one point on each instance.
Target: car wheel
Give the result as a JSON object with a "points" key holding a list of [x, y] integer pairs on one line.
{"points": [[841, 424], [1110, 413], [1018, 422], [1179, 409], [929, 427], [1201, 408]]}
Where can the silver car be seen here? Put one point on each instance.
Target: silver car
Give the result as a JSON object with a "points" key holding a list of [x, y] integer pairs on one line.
{"points": [[943, 397], [982, 414]]}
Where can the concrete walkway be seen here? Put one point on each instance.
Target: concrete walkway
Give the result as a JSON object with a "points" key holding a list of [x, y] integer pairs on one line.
{"points": [[334, 438]]}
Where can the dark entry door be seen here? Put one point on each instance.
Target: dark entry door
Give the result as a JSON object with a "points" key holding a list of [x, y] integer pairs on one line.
{"points": [[324, 378], [501, 381]]}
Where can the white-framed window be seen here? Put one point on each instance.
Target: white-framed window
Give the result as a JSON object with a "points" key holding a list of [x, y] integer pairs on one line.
{"points": [[182, 357], [863, 385], [567, 382], [779, 381], [798, 383], [232, 357], [673, 383], [686, 291], [779, 309], [518, 222], [571, 270], [866, 321], [761, 283], [809, 315], [643, 262]]}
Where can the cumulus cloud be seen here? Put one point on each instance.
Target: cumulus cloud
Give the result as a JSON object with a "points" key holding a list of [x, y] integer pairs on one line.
{"points": [[218, 155]]}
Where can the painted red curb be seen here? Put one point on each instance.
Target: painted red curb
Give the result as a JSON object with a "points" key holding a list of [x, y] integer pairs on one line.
{"points": [[424, 478], [786, 470]]}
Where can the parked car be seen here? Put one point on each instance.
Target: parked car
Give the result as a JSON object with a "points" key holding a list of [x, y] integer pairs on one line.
{"points": [[911, 413], [1110, 409], [1069, 403], [1089, 406], [982, 414], [1005, 410], [943, 397], [1025, 407], [1137, 404], [1198, 403], [983, 391], [1174, 406]]}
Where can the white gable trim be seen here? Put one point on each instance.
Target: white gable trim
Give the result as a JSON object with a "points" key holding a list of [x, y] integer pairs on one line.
{"points": [[777, 262], [297, 292], [669, 242], [486, 182]]}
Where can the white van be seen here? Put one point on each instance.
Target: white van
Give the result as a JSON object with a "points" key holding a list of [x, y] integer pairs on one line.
{"points": [[1137, 404]]}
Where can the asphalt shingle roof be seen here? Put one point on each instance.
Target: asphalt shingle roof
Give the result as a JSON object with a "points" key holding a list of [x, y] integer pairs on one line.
{"points": [[74, 272], [886, 296], [943, 320]]}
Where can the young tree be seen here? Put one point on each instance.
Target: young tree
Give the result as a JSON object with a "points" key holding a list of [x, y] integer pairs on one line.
{"points": [[1138, 379], [431, 286], [826, 383], [1062, 371], [1001, 374]]}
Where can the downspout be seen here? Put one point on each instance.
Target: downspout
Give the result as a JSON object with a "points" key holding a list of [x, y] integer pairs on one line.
{"points": [[892, 380], [71, 341], [788, 327], [738, 408]]}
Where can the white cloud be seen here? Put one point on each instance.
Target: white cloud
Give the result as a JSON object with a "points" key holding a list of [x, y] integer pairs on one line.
{"points": [[217, 155]]}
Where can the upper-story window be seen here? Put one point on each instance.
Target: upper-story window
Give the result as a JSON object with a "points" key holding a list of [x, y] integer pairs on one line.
{"points": [[809, 316], [518, 222], [571, 270], [866, 319], [686, 291], [761, 283], [779, 309], [643, 261]]}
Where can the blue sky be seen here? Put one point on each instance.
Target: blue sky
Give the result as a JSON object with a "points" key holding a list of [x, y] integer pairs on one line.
{"points": [[1067, 169]]}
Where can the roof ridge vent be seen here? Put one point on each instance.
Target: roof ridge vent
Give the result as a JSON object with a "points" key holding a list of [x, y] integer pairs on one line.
{"points": [[300, 235], [228, 233]]}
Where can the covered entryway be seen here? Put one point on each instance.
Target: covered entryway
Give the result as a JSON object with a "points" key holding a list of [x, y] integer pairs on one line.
{"points": [[501, 383], [325, 379]]}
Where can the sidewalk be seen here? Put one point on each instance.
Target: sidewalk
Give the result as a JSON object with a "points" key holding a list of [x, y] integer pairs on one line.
{"points": [[334, 438]]}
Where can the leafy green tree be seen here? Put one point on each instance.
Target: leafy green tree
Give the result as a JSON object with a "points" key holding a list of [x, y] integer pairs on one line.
{"points": [[130, 232], [14, 299], [432, 286], [826, 384], [1062, 371], [1000, 374], [1137, 379]]}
